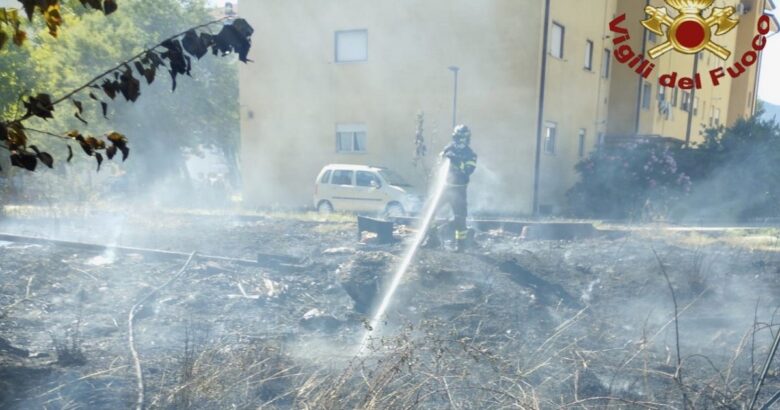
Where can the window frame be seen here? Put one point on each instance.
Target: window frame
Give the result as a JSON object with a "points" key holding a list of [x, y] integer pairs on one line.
{"points": [[589, 47], [355, 130], [336, 45], [606, 63], [550, 139], [581, 135], [647, 95], [561, 48]]}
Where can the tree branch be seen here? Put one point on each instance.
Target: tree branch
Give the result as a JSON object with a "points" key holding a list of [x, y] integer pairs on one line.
{"points": [[125, 62]]}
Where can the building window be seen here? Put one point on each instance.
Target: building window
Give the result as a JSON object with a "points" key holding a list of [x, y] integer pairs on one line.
{"points": [[717, 117], [605, 63], [651, 37], [549, 137], [350, 138], [685, 104], [712, 116], [661, 93], [351, 46], [675, 92], [696, 106], [589, 55], [647, 90], [581, 143], [556, 41]]}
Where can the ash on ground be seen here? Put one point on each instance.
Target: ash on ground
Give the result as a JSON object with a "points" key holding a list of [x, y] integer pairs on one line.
{"points": [[513, 323]]}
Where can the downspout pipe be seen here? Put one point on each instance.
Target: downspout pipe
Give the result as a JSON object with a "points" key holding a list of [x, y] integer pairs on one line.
{"points": [[691, 103], [540, 110], [638, 111]]}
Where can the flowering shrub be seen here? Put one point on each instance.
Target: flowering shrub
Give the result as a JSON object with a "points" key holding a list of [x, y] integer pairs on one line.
{"points": [[630, 181]]}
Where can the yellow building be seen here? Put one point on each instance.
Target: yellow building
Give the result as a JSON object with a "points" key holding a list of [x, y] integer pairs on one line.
{"points": [[343, 82]]}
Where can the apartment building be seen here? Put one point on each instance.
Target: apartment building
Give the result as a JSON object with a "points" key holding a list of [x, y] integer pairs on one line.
{"points": [[343, 82]]}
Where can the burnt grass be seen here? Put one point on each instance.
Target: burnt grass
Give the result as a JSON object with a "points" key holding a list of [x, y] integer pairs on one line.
{"points": [[514, 323]]}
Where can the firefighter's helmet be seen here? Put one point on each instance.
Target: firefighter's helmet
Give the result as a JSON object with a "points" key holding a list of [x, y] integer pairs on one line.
{"points": [[461, 134]]}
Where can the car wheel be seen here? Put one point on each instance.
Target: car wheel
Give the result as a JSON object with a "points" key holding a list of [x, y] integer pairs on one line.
{"points": [[325, 208], [394, 210]]}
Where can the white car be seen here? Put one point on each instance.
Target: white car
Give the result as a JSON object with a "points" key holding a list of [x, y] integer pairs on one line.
{"points": [[362, 188]]}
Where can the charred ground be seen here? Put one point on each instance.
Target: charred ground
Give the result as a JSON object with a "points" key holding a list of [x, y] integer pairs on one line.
{"points": [[535, 324]]}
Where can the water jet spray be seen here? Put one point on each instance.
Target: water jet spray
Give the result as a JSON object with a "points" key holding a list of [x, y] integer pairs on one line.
{"points": [[429, 211]]}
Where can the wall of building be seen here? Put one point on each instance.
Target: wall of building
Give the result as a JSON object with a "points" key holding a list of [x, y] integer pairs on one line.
{"points": [[576, 97], [294, 94]]}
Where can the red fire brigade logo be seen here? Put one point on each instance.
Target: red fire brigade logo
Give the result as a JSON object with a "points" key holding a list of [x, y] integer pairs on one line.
{"points": [[690, 32]]}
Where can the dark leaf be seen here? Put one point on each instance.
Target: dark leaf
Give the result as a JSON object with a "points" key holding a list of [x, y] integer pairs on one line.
{"points": [[70, 153], [95, 143], [79, 106], [94, 97], [110, 88], [24, 160], [84, 145], [153, 58], [243, 27], [16, 136], [29, 7], [99, 159], [44, 157], [3, 39], [39, 106], [109, 6], [125, 151], [120, 142], [230, 40], [78, 116], [207, 39], [149, 74], [194, 44], [139, 66], [129, 86], [104, 107], [176, 59], [111, 151], [3, 131], [19, 36]]}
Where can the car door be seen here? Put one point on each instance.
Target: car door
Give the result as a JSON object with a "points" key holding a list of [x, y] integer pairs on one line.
{"points": [[368, 193], [342, 185]]}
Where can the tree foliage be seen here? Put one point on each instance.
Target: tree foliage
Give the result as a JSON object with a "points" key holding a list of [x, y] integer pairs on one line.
{"points": [[91, 100]]}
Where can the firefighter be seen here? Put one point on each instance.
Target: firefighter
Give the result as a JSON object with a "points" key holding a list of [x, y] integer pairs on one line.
{"points": [[463, 162]]}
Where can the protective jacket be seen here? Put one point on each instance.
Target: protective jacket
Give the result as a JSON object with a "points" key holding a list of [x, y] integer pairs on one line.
{"points": [[463, 162]]}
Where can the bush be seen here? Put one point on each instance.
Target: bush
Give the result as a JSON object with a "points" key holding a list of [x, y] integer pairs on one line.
{"points": [[628, 181], [732, 175]]}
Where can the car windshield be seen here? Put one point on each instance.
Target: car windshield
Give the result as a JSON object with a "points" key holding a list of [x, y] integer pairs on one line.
{"points": [[393, 179]]}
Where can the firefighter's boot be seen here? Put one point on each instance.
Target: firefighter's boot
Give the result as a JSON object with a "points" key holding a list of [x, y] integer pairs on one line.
{"points": [[461, 238]]}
